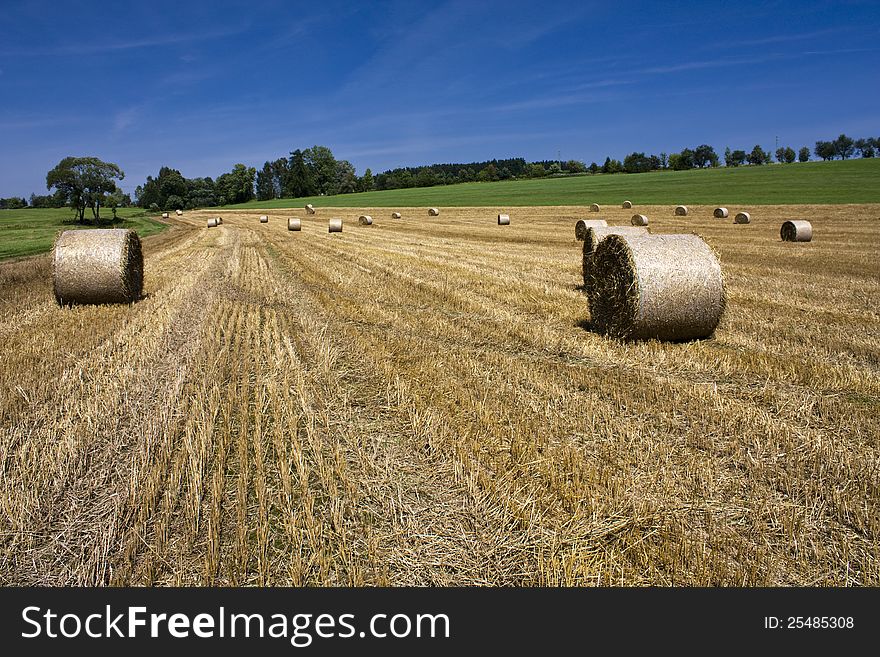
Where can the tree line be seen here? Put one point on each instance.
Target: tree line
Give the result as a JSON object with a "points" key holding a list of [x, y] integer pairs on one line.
{"points": [[87, 183]]}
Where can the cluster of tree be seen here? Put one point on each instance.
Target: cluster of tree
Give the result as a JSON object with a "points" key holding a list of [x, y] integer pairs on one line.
{"points": [[171, 191], [310, 172], [86, 182], [13, 203], [846, 147]]}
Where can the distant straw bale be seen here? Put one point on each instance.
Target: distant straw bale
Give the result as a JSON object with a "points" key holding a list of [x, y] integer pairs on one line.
{"points": [[580, 228], [213, 222], [103, 265], [742, 218], [179, 213], [796, 230], [164, 215], [639, 220], [594, 236], [335, 225], [433, 212], [395, 215], [294, 224], [627, 205], [503, 219], [594, 207], [264, 219], [664, 287], [365, 220], [310, 208], [720, 213], [681, 211]]}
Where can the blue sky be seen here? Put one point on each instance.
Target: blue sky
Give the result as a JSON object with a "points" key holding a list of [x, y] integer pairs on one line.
{"points": [[201, 86]]}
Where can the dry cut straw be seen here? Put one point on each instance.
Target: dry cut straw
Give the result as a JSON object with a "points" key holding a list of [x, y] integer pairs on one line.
{"points": [[639, 220], [742, 218], [796, 230], [720, 213], [580, 228], [664, 287], [503, 219], [627, 205], [593, 236], [102, 265], [335, 225], [294, 224]]}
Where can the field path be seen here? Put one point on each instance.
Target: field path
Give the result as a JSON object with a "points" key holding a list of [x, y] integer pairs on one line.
{"points": [[421, 402]]}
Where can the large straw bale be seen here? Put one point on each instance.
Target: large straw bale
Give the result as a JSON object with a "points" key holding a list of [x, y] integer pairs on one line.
{"points": [[365, 220], [664, 287], [179, 213], [627, 205], [433, 212], [503, 219], [102, 265], [310, 208], [593, 236], [594, 207], [742, 218], [720, 213], [335, 225], [213, 222], [395, 215], [639, 220], [580, 228], [796, 230], [294, 224], [681, 211], [164, 215], [264, 219], [219, 221]]}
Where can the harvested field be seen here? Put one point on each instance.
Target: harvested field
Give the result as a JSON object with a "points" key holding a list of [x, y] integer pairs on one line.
{"points": [[425, 403]]}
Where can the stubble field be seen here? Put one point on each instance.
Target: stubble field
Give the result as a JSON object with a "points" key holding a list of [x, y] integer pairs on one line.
{"points": [[422, 402]]}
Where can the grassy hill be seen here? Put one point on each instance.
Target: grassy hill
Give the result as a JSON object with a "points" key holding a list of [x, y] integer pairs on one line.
{"points": [[849, 181], [26, 232]]}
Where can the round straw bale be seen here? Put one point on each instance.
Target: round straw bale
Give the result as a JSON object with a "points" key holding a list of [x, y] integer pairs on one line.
{"points": [[365, 220], [433, 212], [102, 265], [720, 213], [592, 238], [627, 205], [164, 215], [179, 213], [594, 207], [580, 228], [503, 219], [395, 215], [310, 208], [220, 220], [665, 287], [294, 224], [639, 220], [213, 222], [264, 219], [796, 230], [742, 218], [681, 211], [335, 225]]}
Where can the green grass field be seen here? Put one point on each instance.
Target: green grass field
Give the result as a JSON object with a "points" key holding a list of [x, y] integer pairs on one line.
{"points": [[849, 181], [27, 232]]}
